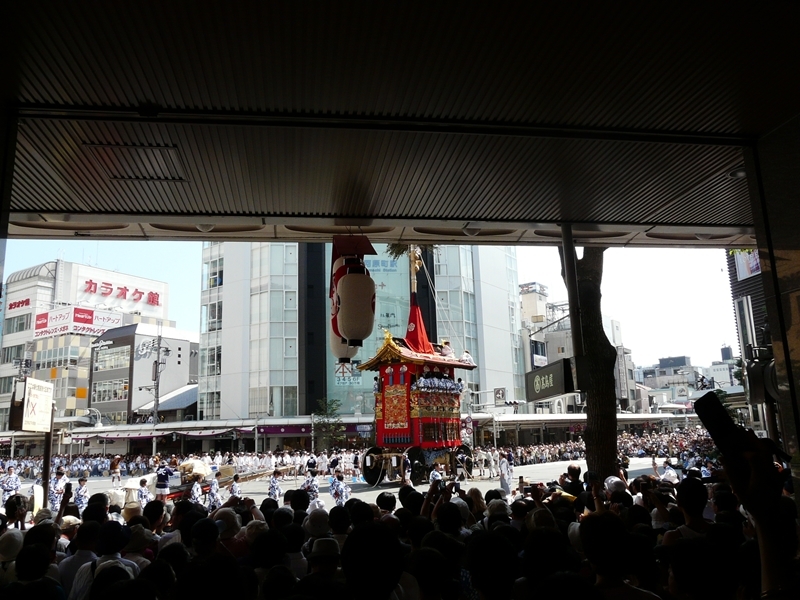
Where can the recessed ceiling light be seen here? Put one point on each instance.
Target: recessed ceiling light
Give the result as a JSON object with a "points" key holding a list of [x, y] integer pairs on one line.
{"points": [[738, 173]]}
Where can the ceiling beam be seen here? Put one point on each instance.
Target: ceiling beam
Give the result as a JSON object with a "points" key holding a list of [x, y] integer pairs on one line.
{"points": [[158, 115]]}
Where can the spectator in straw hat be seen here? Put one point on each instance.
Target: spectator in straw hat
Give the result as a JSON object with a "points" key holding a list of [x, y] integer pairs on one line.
{"points": [[324, 578], [140, 541], [132, 509], [230, 524], [316, 526], [83, 545], [69, 528], [10, 545]]}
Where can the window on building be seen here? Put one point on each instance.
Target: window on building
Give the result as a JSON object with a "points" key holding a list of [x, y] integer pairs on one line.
{"points": [[17, 324], [210, 361], [213, 273], [632, 394], [208, 404], [11, 353], [119, 417], [112, 358], [630, 373], [211, 317], [57, 357], [4, 419], [6, 386], [538, 348], [289, 401], [112, 390]]}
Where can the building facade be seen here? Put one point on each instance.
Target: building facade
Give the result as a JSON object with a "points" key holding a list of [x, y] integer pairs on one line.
{"points": [[53, 312], [121, 386], [265, 327], [548, 328]]}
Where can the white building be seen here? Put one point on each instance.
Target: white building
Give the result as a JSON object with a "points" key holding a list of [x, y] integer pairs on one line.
{"points": [[265, 323], [53, 311], [549, 329]]}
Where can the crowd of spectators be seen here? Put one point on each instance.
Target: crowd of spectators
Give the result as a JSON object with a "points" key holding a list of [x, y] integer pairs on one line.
{"points": [[676, 443], [730, 535]]}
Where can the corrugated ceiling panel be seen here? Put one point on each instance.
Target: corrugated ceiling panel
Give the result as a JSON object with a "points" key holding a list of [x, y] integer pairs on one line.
{"points": [[273, 171], [677, 66]]}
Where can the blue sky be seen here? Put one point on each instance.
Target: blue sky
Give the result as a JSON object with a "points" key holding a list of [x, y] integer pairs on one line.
{"points": [[670, 302], [177, 263]]}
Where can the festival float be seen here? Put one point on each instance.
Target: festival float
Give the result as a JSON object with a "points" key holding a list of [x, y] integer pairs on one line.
{"points": [[417, 402]]}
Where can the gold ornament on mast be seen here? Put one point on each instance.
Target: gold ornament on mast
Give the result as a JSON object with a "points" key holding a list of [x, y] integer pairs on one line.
{"points": [[415, 261]]}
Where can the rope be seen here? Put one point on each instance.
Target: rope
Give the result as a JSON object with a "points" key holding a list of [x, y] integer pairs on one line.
{"points": [[448, 320]]}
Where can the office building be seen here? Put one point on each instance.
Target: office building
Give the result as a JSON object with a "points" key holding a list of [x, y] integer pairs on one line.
{"points": [[52, 314], [548, 328], [265, 327]]}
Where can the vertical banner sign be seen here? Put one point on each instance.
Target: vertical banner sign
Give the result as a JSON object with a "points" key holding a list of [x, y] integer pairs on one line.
{"points": [[38, 406]]}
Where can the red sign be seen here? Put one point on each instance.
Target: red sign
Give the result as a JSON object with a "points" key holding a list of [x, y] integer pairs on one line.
{"points": [[41, 321], [19, 303], [84, 315]]}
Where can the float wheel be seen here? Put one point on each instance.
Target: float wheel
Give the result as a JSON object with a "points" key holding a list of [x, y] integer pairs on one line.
{"points": [[372, 466]]}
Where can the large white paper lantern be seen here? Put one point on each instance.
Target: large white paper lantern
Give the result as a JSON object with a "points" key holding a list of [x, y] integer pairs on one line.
{"points": [[340, 350], [355, 293]]}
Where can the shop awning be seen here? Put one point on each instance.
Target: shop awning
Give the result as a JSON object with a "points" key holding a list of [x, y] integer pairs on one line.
{"points": [[176, 400], [299, 430], [132, 435], [204, 432]]}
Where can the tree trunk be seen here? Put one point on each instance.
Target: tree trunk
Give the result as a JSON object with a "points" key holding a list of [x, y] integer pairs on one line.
{"points": [[596, 374]]}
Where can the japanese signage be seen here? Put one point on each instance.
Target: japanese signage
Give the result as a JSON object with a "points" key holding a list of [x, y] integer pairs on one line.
{"points": [[122, 292], [381, 265], [553, 380], [19, 303], [347, 374], [74, 319], [38, 411], [127, 293]]}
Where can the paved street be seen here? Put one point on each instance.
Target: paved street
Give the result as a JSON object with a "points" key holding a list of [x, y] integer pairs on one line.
{"points": [[534, 473]]}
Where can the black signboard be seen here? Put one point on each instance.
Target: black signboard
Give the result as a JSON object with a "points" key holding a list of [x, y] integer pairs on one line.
{"points": [[553, 380]]}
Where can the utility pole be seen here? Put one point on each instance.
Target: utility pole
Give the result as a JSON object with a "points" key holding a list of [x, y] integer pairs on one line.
{"points": [[157, 364]]}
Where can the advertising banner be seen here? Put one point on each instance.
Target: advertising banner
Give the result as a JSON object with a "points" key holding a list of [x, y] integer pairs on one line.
{"points": [[38, 411], [75, 319], [747, 264]]}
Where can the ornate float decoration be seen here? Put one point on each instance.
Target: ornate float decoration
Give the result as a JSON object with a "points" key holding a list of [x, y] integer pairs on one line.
{"points": [[417, 400]]}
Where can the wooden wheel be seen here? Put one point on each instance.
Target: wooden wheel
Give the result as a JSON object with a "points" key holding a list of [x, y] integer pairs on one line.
{"points": [[372, 466]]}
